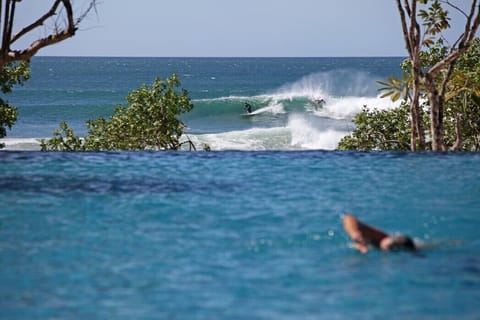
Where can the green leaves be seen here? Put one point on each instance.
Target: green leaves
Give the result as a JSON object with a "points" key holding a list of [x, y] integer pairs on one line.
{"points": [[379, 130], [14, 74], [435, 20], [390, 130], [63, 139], [10, 75], [148, 122], [8, 116], [396, 88]]}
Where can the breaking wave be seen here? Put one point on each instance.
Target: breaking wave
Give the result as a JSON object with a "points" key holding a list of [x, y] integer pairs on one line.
{"points": [[289, 117]]}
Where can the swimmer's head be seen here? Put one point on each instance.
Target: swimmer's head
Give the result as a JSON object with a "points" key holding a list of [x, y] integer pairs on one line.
{"points": [[393, 243]]}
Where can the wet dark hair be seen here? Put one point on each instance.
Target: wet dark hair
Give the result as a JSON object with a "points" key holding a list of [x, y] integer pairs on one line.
{"points": [[404, 242]]}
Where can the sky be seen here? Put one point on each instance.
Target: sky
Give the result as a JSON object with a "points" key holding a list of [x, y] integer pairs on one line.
{"points": [[229, 28]]}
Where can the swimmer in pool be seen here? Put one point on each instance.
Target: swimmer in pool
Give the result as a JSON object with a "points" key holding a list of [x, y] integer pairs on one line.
{"points": [[364, 235]]}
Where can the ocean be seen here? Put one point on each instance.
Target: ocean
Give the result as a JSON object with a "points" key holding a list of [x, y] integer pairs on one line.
{"points": [[281, 91], [250, 230]]}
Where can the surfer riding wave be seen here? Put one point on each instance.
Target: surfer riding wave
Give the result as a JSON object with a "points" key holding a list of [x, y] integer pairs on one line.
{"points": [[248, 107]]}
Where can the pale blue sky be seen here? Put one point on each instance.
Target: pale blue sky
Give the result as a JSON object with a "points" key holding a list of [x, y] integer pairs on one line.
{"points": [[222, 28]]}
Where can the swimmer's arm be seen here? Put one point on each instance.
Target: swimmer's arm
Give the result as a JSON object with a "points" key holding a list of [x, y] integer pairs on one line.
{"points": [[352, 228]]}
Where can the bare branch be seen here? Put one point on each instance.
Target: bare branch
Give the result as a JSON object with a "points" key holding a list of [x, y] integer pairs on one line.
{"points": [[36, 46], [91, 6], [37, 23], [58, 34], [447, 2], [403, 21], [476, 23], [407, 8]]}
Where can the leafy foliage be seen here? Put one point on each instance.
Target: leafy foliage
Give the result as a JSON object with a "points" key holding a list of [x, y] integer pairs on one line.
{"points": [[379, 130], [149, 122], [14, 74], [463, 100], [64, 139], [435, 20], [396, 88], [10, 75], [390, 129]]}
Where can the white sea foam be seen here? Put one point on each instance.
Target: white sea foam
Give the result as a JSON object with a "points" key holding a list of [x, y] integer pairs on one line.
{"points": [[345, 93], [256, 139], [23, 144], [273, 107], [298, 134], [347, 107], [311, 87], [306, 136], [327, 84]]}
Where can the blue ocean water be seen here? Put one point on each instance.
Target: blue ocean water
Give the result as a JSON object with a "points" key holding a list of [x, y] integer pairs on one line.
{"points": [[236, 235], [281, 91]]}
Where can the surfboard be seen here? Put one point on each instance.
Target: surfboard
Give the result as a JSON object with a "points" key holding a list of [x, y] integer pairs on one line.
{"points": [[256, 112]]}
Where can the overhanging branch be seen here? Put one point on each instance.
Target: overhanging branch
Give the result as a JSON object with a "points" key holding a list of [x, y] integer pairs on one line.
{"points": [[38, 23], [7, 55]]}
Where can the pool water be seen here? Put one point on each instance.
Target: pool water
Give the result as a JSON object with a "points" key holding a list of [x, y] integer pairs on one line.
{"points": [[236, 235]]}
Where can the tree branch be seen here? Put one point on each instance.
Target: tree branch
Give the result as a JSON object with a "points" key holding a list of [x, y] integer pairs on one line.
{"points": [[414, 28], [55, 37], [38, 23], [454, 7], [36, 46], [465, 42], [403, 21], [446, 79], [6, 23]]}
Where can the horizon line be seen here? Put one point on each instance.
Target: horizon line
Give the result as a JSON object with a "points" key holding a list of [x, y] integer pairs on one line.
{"points": [[215, 57]]}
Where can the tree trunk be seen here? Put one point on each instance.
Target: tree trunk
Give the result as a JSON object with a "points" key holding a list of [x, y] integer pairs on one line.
{"points": [[418, 128], [417, 138], [458, 132], [436, 115], [414, 126]]}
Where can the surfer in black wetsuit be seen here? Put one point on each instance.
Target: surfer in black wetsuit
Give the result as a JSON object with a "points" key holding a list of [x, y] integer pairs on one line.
{"points": [[248, 107], [318, 103]]}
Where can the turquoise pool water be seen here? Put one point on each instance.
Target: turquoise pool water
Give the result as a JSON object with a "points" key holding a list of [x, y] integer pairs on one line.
{"points": [[236, 235]]}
